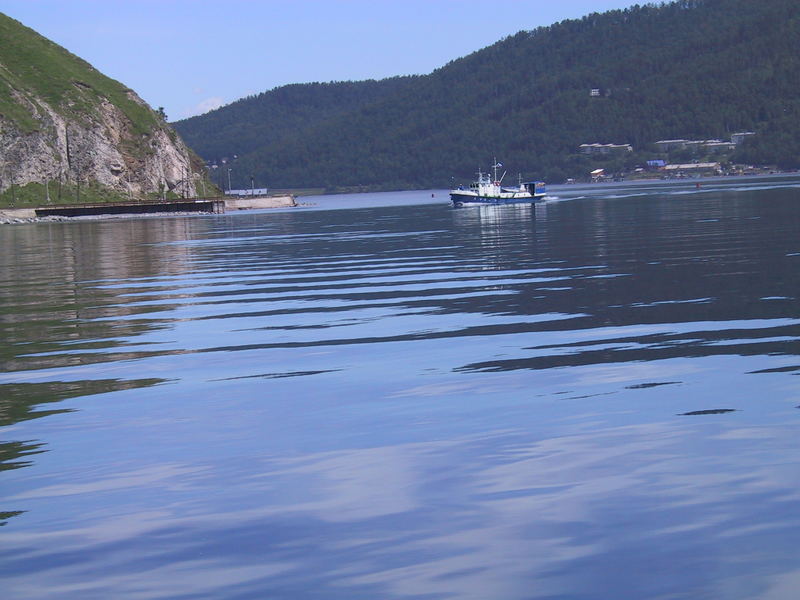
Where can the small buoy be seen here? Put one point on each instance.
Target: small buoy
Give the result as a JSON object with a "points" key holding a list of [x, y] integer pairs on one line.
{"points": [[697, 185], [433, 195]]}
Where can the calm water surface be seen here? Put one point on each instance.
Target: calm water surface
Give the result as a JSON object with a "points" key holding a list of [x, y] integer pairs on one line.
{"points": [[382, 397]]}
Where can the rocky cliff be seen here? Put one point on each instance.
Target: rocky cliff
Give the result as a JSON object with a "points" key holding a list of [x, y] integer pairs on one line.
{"points": [[64, 125]]}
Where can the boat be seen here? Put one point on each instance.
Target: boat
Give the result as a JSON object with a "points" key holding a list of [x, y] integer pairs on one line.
{"points": [[488, 189]]}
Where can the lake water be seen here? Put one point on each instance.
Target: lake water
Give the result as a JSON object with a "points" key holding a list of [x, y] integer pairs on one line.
{"points": [[382, 397]]}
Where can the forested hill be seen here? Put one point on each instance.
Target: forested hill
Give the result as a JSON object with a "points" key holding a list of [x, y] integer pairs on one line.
{"points": [[691, 69], [251, 123]]}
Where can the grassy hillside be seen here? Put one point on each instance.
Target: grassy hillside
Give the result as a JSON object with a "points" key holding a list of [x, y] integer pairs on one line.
{"points": [[38, 69], [689, 69], [69, 133]]}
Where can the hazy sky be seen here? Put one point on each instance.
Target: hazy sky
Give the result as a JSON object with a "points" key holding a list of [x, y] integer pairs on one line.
{"points": [[190, 56]]}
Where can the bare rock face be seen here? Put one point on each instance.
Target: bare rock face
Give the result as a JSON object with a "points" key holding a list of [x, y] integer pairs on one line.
{"points": [[97, 146], [62, 120]]}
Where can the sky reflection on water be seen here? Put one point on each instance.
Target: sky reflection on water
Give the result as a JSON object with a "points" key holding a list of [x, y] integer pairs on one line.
{"points": [[406, 400]]}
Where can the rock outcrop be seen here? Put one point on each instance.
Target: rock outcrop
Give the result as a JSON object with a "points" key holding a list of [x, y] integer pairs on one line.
{"points": [[100, 148], [81, 127]]}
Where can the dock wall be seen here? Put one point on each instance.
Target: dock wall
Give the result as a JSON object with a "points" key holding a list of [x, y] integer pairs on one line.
{"points": [[133, 208]]}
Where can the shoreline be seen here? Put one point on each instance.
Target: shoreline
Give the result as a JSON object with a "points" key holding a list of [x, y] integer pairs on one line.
{"points": [[19, 216]]}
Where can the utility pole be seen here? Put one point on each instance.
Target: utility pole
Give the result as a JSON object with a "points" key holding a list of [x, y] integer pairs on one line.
{"points": [[229, 180], [69, 156]]}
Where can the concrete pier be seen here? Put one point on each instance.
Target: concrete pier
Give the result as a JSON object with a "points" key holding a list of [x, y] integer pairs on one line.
{"points": [[252, 202]]}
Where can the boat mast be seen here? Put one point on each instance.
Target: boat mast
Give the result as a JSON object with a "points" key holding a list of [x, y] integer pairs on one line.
{"points": [[496, 165]]}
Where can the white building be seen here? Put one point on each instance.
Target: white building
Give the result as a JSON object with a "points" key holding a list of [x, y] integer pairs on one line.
{"points": [[597, 175], [604, 148], [694, 168], [719, 146], [668, 145], [738, 138], [697, 145]]}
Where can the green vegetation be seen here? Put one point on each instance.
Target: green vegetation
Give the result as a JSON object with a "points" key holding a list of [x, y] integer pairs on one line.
{"points": [[39, 69], [67, 193], [694, 69], [37, 76], [35, 194], [271, 117], [778, 143], [56, 192]]}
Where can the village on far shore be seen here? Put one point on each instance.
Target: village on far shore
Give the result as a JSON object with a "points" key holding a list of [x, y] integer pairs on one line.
{"points": [[677, 159]]}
